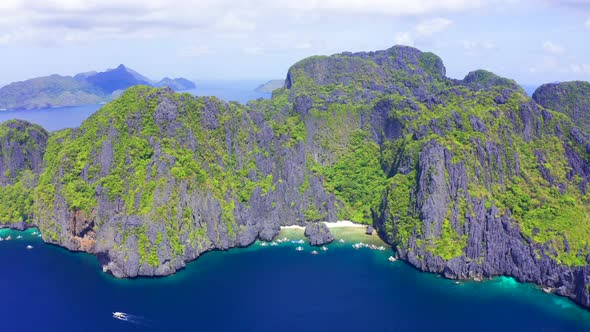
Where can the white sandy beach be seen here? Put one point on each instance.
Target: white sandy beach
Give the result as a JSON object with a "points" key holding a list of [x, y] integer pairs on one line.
{"points": [[344, 223], [340, 223]]}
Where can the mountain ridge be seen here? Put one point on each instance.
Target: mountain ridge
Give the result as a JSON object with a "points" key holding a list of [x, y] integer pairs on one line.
{"points": [[83, 88]]}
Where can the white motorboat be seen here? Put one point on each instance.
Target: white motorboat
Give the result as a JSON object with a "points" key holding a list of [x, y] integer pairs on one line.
{"points": [[119, 315], [300, 248]]}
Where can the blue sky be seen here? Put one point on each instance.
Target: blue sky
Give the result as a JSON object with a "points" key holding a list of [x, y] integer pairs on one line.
{"points": [[532, 41]]}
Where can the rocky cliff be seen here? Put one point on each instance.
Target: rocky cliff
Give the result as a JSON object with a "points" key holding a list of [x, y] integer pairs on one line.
{"points": [[22, 148], [469, 178], [571, 98]]}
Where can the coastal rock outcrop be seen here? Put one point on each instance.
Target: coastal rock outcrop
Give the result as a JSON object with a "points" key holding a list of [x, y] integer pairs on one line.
{"points": [[318, 234]]}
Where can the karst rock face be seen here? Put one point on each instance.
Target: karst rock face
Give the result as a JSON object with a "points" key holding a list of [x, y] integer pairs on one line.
{"points": [[468, 178], [22, 148]]}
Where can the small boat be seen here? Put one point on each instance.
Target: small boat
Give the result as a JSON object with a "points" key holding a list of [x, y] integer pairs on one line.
{"points": [[300, 241], [392, 259], [456, 282], [314, 252], [273, 244], [300, 248], [8, 238], [19, 237], [39, 235], [324, 248], [547, 290], [381, 248], [263, 244], [341, 240], [119, 315], [29, 247], [34, 233]]}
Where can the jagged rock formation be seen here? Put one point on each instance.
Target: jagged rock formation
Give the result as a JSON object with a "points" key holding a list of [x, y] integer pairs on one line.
{"points": [[22, 148], [318, 234], [468, 178], [571, 98]]}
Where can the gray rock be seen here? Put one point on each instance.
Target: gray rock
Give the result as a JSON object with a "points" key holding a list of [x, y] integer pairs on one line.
{"points": [[318, 234]]}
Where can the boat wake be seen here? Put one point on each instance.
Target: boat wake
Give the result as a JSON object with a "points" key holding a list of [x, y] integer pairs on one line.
{"points": [[133, 319]]}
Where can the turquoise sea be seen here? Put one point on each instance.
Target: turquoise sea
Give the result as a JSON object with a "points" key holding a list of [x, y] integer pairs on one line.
{"points": [[265, 288]]}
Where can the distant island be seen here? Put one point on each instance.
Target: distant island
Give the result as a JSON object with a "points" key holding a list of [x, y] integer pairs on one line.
{"points": [[84, 88], [270, 86]]}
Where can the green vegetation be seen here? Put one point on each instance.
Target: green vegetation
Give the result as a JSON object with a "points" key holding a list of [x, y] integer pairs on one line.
{"points": [[357, 178], [373, 132]]}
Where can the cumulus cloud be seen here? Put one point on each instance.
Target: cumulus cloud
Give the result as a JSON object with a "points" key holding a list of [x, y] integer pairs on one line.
{"points": [[429, 27], [553, 65], [194, 51], [253, 50], [553, 48], [423, 30], [580, 68], [404, 38], [473, 48], [85, 19]]}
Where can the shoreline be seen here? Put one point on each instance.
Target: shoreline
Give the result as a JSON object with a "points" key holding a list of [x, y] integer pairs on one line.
{"points": [[337, 224], [341, 225]]}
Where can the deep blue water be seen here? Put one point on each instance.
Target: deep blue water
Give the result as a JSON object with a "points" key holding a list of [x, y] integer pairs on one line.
{"points": [[266, 289], [69, 117]]}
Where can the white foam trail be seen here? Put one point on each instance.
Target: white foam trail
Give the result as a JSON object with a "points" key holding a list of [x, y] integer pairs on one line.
{"points": [[134, 319]]}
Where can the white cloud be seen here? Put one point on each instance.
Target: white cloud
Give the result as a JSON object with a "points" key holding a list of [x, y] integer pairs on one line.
{"points": [[233, 22], [547, 64], [580, 69], [92, 19], [473, 48], [253, 50], [554, 65], [553, 48], [429, 27], [423, 30], [404, 38], [194, 51]]}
